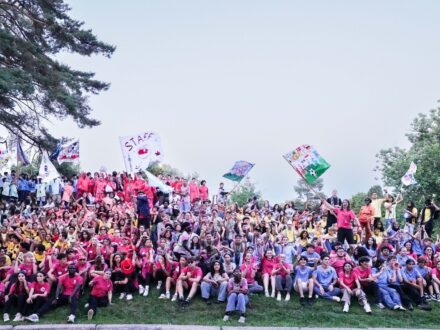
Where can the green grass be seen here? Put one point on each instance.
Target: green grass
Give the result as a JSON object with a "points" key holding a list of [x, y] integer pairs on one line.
{"points": [[264, 312]]}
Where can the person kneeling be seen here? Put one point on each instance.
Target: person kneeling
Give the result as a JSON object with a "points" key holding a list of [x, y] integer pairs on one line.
{"points": [[101, 294]]}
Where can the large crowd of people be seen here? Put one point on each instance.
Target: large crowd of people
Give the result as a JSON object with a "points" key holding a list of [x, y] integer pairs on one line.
{"points": [[112, 236]]}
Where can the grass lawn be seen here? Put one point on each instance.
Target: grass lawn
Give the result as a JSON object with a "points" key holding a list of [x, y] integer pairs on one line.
{"points": [[264, 312]]}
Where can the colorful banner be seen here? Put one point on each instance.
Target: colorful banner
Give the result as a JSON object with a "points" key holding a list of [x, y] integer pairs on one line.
{"points": [[408, 179], [140, 150], [240, 169], [69, 152], [47, 171], [307, 162]]}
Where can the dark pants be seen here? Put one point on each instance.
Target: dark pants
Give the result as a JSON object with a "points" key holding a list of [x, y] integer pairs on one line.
{"points": [[373, 288], [429, 227], [413, 293], [123, 288], [345, 234], [145, 280], [403, 296], [62, 300], [95, 302], [36, 305], [19, 301]]}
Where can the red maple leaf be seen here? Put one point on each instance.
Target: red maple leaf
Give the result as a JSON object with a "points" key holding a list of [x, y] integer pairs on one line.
{"points": [[157, 153], [142, 151]]}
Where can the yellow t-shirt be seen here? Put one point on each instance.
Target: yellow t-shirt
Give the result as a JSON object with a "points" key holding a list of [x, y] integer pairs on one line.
{"points": [[427, 215], [377, 205]]}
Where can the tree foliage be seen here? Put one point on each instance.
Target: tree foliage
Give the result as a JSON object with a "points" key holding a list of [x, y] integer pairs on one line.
{"points": [[305, 193], [244, 192], [375, 189], [163, 169], [34, 87], [424, 151], [357, 201]]}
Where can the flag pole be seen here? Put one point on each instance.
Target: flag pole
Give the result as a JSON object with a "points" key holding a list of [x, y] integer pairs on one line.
{"points": [[123, 156]]}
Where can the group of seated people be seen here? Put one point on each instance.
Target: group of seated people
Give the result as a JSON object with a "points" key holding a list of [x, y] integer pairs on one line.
{"points": [[55, 252]]}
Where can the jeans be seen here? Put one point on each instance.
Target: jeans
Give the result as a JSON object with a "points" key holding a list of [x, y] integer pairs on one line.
{"points": [[283, 283], [255, 288], [327, 294], [209, 290], [358, 293], [390, 297], [237, 301]]}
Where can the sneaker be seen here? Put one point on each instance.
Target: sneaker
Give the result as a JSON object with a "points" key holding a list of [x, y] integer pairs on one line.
{"points": [[174, 297], [267, 294], [411, 307], [159, 284], [122, 296], [395, 308], [162, 296], [242, 319], [71, 318], [33, 318], [141, 289], [336, 298], [226, 318], [346, 308], [302, 301], [207, 301], [129, 297], [401, 308], [437, 297], [367, 308], [167, 295], [147, 289], [425, 306], [380, 305], [427, 297], [273, 294], [288, 297], [18, 318], [90, 314], [86, 306], [6, 317], [279, 296]]}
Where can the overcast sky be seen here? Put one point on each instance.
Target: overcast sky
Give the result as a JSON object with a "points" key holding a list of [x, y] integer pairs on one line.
{"points": [[222, 81]]}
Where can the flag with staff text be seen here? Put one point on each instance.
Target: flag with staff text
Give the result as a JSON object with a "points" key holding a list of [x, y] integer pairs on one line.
{"points": [[240, 169], [307, 162]]}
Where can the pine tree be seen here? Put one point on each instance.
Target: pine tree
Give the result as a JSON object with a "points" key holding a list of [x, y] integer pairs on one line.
{"points": [[34, 86]]}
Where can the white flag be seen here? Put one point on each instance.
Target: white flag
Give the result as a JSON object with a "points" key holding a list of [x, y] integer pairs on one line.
{"points": [[69, 152], [140, 150], [408, 179], [154, 181], [47, 171]]}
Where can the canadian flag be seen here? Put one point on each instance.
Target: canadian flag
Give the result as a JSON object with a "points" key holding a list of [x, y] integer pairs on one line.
{"points": [[142, 151]]}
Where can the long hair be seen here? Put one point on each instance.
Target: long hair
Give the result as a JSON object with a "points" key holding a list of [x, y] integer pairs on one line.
{"points": [[221, 270]]}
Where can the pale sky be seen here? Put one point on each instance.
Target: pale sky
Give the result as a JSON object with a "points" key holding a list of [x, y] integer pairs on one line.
{"points": [[222, 81]]}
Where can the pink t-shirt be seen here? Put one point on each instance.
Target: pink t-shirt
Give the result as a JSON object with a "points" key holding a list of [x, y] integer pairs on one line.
{"points": [[344, 218]]}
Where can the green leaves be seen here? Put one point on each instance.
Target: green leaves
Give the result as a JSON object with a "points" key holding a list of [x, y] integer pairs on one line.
{"points": [[33, 85], [424, 151]]}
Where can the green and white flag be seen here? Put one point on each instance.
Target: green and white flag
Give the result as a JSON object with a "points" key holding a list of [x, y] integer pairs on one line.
{"points": [[239, 171], [307, 162]]}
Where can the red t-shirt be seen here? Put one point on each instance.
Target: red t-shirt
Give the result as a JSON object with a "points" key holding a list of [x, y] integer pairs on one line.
{"points": [[69, 283], [196, 272], [362, 273], [101, 286], [248, 269], [281, 272], [344, 218], [60, 270], [268, 266], [41, 288], [348, 280]]}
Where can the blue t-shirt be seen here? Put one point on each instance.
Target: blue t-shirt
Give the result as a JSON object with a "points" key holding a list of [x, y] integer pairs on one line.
{"points": [[325, 276], [302, 274], [311, 256], [390, 274], [410, 275], [382, 280], [423, 271]]}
